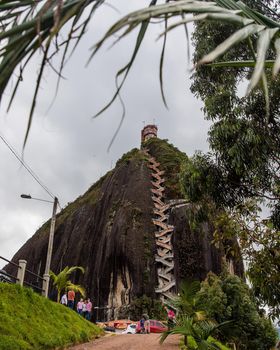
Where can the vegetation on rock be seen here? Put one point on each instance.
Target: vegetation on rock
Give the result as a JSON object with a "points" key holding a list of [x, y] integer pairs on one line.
{"points": [[171, 160]]}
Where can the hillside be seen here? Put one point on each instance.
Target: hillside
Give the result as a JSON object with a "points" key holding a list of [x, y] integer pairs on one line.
{"points": [[29, 321], [110, 232]]}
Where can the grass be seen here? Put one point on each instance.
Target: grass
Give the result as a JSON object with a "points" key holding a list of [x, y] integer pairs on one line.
{"points": [[29, 321]]}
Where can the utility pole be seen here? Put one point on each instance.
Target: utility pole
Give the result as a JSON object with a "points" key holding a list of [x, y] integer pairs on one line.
{"points": [[46, 276], [50, 248]]}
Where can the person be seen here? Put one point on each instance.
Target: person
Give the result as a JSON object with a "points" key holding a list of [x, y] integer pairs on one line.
{"points": [[63, 299], [147, 324], [84, 308], [89, 308], [142, 324], [170, 318], [80, 307], [71, 299]]}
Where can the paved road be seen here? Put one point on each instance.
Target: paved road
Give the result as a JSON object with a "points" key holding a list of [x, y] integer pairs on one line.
{"points": [[130, 342]]}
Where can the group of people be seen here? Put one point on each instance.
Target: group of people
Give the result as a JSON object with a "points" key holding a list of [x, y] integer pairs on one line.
{"points": [[84, 306]]}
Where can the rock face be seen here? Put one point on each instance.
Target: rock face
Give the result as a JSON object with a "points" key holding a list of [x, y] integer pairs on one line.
{"points": [[110, 232]]}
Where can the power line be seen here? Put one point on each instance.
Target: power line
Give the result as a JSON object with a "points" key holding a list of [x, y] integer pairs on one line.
{"points": [[27, 167]]}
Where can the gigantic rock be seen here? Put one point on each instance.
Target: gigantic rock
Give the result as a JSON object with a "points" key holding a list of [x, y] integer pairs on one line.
{"points": [[109, 231]]}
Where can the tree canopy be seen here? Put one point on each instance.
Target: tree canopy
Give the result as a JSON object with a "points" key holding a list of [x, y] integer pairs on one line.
{"points": [[229, 299]]}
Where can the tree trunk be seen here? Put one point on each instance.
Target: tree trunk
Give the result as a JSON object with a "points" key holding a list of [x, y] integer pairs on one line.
{"points": [[58, 296]]}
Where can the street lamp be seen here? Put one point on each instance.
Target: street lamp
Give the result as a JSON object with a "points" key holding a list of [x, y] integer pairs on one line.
{"points": [[50, 245]]}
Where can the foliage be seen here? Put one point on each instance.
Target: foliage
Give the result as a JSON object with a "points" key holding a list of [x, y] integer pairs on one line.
{"points": [[202, 180], [229, 299], [191, 320], [235, 213], [245, 144], [61, 281], [134, 154], [186, 302], [170, 159], [143, 305], [29, 321], [197, 333], [249, 23], [260, 244], [29, 26]]}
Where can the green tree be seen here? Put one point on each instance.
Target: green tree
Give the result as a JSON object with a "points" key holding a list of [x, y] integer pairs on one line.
{"points": [[62, 282], [191, 320], [235, 213], [229, 299]]}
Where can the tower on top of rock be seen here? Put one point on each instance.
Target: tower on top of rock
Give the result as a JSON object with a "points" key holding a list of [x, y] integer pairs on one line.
{"points": [[148, 132]]}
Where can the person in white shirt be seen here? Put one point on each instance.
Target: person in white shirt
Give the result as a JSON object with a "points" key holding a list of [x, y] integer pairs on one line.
{"points": [[63, 299]]}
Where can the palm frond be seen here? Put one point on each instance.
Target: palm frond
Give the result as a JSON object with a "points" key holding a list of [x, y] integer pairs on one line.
{"points": [[252, 23], [76, 287], [30, 26], [74, 268], [184, 326], [54, 277], [33, 26]]}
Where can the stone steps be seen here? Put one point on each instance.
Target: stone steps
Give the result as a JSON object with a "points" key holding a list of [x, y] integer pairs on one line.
{"points": [[163, 234]]}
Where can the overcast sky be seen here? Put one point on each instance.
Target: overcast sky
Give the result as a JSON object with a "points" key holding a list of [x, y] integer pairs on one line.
{"points": [[66, 148]]}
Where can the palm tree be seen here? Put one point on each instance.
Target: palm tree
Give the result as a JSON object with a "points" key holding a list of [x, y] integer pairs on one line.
{"points": [[197, 334], [186, 301], [191, 319], [61, 281], [29, 26]]}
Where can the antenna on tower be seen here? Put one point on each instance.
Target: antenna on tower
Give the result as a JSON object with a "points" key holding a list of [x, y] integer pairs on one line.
{"points": [[144, 122], [154, 121]]}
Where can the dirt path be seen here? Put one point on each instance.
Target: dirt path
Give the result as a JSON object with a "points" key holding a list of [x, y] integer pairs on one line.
{"points": [[130, 342]]}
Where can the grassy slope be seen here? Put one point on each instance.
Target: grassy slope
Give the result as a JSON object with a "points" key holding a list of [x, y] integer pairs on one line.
{"points": [[29, 321]]}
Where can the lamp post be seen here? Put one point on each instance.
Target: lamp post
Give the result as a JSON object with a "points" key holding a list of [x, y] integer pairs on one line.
{"points": [[50, 245]]}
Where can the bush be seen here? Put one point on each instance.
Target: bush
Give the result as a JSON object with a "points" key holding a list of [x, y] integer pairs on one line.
{"points": [[228, 299]]}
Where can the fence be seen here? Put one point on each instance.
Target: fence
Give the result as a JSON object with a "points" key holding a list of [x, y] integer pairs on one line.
{"points": [[21, 273]]}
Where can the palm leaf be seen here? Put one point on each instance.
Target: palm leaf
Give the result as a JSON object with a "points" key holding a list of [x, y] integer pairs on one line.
{"points": [[77, 288], [74, 268], [241, 64], [123, 71], [263, 45], [252, 23], [234, 39], [28, 26], [276, 66]]}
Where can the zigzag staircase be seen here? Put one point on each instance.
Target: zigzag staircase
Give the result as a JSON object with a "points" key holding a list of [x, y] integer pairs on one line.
{"points": [[163, 234]]}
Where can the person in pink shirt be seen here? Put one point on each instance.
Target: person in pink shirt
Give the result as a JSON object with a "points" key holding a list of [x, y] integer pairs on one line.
{"points": [[170, 318], [89, 308], [80, 306]]}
